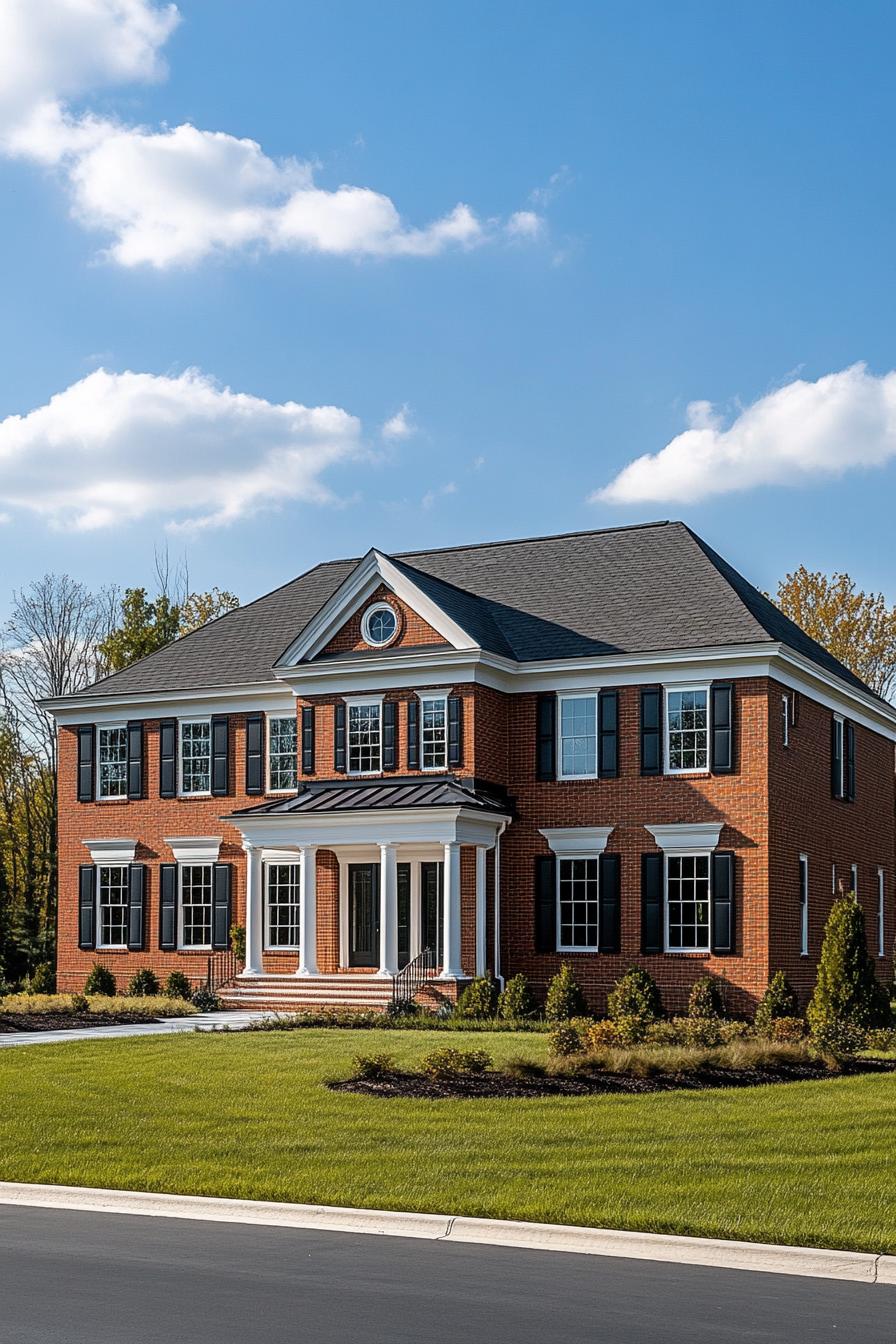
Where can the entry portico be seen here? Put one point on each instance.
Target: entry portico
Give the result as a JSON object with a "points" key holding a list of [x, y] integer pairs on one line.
{"points": [[398, 846]]}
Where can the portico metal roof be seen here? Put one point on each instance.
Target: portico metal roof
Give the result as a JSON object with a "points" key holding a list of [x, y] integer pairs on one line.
{"points": [[378, 795]]}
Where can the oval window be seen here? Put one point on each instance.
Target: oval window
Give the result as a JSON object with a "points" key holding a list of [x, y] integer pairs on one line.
{"points": [[380, 625]]}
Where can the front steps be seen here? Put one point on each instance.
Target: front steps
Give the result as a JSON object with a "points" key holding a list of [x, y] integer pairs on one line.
{"points": [[295, 994]]}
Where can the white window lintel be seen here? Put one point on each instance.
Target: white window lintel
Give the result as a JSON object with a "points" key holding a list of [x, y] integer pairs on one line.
{"points": [[194, 848], [578, 842], [111, 851], [687, 837]]}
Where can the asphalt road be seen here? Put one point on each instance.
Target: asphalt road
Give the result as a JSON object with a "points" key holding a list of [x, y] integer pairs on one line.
{"points": [[84, 1278]]}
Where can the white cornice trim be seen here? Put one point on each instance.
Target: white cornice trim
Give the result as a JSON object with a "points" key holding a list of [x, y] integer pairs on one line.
{"points": [[400, 826], [194, 848], [577, 842], [687, 837], [111, 851], [272, 696]]}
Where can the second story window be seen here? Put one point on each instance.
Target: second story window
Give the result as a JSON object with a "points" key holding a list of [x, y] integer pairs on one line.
{"points": [[687, 730], [112, 762], [434, 732], [364, 737], [282, 754], [195, 756], [578, 736]]}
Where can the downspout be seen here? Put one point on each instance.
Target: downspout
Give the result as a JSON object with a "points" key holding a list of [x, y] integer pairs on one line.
{"points": [[497, 957]]}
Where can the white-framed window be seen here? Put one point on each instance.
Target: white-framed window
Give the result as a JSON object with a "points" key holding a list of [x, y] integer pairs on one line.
{"points": [[687, 903], [833, 879], [112, 761], [804, 905], [195, 756], [578, 737], [839, 756], [433, 731], [112, 905], [881, 912], [379, 625], [785, 720], [365, 721], [281, 892], [854, 880], [577, 904], [282, 758], [195, 905], [687, 729]]}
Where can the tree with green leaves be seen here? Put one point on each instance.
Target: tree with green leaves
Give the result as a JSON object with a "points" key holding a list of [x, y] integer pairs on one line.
{"points": [[848, 998]]}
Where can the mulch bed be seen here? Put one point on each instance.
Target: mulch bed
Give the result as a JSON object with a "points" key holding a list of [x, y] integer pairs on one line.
{"points": [[14, 1022], [496, 1084]]}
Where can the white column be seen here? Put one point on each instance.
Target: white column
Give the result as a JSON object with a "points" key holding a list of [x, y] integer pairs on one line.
{"points": [[308, 911], [481, 954], [451, 967], [388, 911], [254, 916]]}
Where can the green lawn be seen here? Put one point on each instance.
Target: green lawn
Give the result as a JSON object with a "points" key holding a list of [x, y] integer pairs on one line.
{"points": [[246, 1115]]}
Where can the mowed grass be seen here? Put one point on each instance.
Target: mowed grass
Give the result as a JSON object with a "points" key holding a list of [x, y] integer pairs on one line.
{"points": [[247, 1115]]}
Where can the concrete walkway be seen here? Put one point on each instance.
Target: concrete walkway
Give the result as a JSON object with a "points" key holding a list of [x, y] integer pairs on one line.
{"points": [[202, 1022]]}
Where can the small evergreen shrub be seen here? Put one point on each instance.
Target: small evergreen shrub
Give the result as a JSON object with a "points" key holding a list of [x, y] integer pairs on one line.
{"points": [[516, 1002], [602, 1034], [479, 999], [837, 1037], [177, 986], [238, 941], [206, 1000], [848, 998], [446, 1062], [635, 994], [705, 1000], [565, 1039], [705, 1032], [43, 979], [80, 1003], [881, 1038], [100, 980], [778, 1001], [786, 1029], [374, 1068], [403, 1008], [143, 983], [565, 998]]}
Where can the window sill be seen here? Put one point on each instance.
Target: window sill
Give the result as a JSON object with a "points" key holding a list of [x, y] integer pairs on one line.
{"points": [[113, 947], [205, 949], [582, 951], [116, 798], [206, 794], [291, 951], [677, 774], [280, 793], [687, 952], [573, 779]]}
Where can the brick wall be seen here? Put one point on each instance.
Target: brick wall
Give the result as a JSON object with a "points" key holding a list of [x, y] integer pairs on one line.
{"points": [[413, 631]]}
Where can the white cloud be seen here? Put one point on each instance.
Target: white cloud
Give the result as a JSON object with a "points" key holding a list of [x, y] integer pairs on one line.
{"points": [[525, 224], [400, 425], [431, 496], [114, 448], [795, 434], [556, 183]]}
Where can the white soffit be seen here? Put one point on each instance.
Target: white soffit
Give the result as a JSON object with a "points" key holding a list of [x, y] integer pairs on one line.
{"points": [[194, 848], [687, 837], [570, 842], [111, 851]]}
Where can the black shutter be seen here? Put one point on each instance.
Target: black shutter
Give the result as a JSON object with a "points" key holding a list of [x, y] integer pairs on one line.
{"points": [[339, 736], [413, 735], [722, 902], [221, 907], [86, 738], [168, 907], [545, 903], [220, 756], [455, 730], [794, 708], [609, 904], [86, 906], [307, 739], [837, 757], [255, 753], [849, 732], [168, 758], [608, 734], [651, 731], [721, 717], [546, 737], [136, 907], [651, 903], [135, 761], [390, 754]]}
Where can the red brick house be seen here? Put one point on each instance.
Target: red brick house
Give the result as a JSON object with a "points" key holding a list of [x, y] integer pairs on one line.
{"points": [[604, 748]]}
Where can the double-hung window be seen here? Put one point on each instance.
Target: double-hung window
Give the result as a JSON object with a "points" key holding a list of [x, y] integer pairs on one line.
{"points": [[365, 737], [881, 912], [195, 756], [433, 732], [578, 736], [804, 905], [195, 905], [687, 903], [854, 879], [785, 719], [112, 904], [282, 776], [687, 729], [577, 905], [282, 906], [112, 762]]}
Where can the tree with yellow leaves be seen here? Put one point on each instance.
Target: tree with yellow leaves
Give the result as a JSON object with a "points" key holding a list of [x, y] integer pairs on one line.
{"points": [[856, 627]]}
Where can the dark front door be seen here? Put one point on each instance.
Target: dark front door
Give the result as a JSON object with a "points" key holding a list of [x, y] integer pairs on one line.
{"points": [[363, 914], [404, 914], [431, 901]]}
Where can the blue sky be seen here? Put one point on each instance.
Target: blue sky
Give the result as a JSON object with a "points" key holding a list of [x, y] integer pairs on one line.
{"points": [[672, 204]]}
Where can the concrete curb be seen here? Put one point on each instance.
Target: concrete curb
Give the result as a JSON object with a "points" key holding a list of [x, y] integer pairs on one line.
{"points": [[857, 1266]]}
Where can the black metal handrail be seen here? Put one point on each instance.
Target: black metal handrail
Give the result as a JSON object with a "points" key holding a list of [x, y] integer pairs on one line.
{"points": [[222, 968], [411, 978]]}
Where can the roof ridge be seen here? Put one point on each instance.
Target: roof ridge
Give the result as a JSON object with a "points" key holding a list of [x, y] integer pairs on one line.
{"points": [[550, 536]]}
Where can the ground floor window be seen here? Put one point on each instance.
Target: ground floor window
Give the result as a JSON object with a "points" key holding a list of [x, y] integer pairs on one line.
{"points": [[687, 903], [804, 905], [880, 912], [196, 905], [577, 905], [112, 899], [282, 905]]}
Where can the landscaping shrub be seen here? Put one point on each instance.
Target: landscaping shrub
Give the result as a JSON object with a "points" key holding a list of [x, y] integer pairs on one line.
{"points": [[635, 995], [143, 983], [238, 941], [518, 1066], [43, 979], [403, 1008], [565, 1039], [565, 998], [645, 1061], [479, 999], [848, 998], [206, 1000], [374, 1068], [99, 1005], [786, 1029], [100, 980], [778, 1001], [80, 1003], [600, 1034], [881, 1038], [702, 1031], [177, 986], [516, 1002], [446, 1062], [705, 1000]]}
